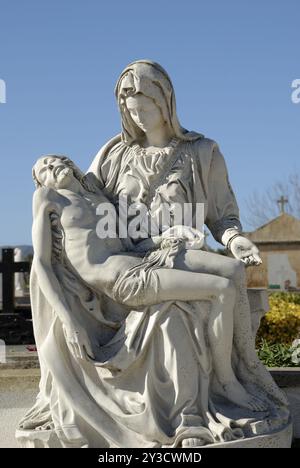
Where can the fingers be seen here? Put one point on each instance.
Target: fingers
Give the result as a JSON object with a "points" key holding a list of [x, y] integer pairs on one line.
{"points": [[80, 344], [257, 258], [246, 260], [74, 346], [81, 351], [78, 351], [73, 349], [251, 260]]}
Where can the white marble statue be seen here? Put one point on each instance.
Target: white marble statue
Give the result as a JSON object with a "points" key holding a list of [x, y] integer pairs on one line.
{"points": [[144, 341]]}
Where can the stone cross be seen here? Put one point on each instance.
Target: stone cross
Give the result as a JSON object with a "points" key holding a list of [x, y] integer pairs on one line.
{"points": [[8, 268], [282, 202]]}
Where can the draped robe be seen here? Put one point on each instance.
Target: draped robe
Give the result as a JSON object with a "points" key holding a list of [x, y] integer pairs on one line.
{"points": [[151, 384]]}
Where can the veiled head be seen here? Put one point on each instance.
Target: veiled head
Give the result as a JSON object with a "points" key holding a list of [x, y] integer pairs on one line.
{"points": [[148, 83]]}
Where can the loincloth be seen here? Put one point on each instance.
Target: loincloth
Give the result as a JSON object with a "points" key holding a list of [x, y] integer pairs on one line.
{"points": [[139, 285]]}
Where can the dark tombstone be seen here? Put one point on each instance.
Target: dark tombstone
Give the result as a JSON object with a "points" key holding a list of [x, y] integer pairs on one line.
{"points": [[15, 322]]}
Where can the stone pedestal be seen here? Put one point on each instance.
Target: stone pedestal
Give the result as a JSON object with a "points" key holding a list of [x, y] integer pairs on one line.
{"points": [[280, 439]]}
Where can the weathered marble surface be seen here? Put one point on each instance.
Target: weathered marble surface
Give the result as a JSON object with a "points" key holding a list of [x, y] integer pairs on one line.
{"points": [[280, 439], [145, 342]]}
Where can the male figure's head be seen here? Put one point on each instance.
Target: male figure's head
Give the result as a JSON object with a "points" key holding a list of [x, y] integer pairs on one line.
{"points": [[57, 172]]}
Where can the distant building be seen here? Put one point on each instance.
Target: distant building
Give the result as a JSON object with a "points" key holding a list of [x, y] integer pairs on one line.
{"points": [[279, 245]]}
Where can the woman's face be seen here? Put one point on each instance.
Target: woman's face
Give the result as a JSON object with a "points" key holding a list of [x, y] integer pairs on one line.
{"points": [[53, 172], [144, 112]]}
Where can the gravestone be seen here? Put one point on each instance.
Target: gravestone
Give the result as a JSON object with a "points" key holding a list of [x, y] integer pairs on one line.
{"points": [[22, 253], [15, 318]]}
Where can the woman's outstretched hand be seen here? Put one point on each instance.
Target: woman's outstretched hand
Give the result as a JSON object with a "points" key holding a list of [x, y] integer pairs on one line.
{"points": [[78, 341], [243, 249]]}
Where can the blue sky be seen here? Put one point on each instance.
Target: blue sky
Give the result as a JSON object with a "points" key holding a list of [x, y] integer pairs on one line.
{"points": [[232, 64]]}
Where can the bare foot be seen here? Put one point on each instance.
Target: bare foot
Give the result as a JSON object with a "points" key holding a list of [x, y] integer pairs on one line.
{"points": [[192, 442], [236, 393]]}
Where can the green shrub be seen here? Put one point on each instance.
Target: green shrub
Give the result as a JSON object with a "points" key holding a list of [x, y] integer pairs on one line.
{"points": [[282, 323], [289, 297]]}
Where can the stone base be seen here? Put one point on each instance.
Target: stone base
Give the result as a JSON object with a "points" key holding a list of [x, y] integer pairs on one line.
{"points": [[281, 439], [38, 439]]}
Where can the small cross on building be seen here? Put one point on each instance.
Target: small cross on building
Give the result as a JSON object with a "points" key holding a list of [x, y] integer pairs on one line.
{"points": [[282, 202]]}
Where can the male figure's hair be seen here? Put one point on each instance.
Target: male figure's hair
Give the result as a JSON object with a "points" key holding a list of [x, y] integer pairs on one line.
{"points": [[76, 171]]}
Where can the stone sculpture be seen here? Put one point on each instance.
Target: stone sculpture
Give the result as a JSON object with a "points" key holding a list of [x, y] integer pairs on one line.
{"points": [[145, 340]]}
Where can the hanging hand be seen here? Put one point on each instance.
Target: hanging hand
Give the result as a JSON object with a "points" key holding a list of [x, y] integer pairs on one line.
{"points": [[243, 249], [78, 341]]}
